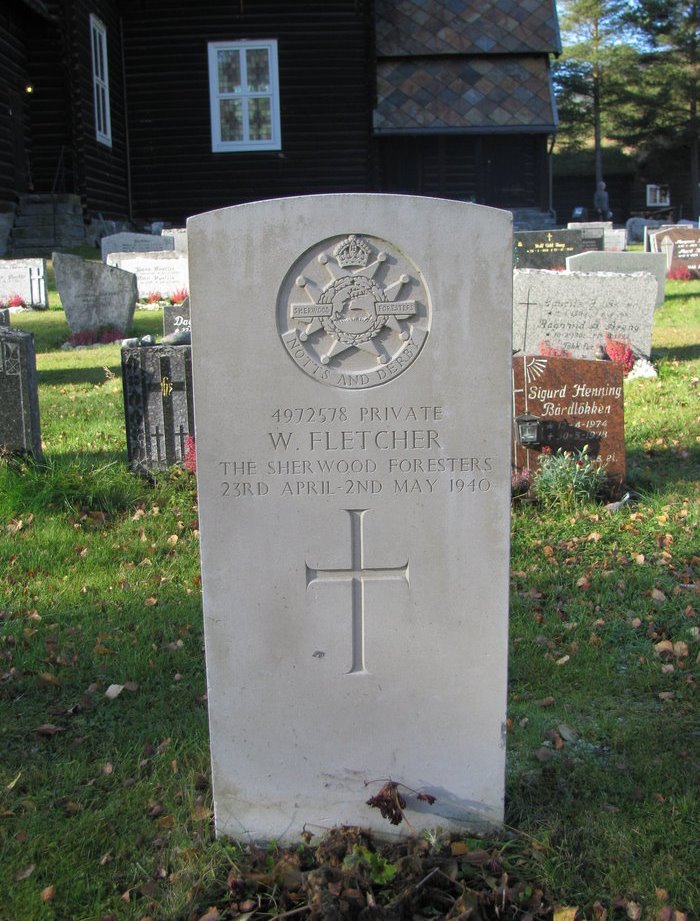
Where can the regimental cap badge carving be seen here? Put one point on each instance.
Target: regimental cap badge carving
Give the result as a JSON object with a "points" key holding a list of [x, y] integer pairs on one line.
{"points": [[353, 311]]}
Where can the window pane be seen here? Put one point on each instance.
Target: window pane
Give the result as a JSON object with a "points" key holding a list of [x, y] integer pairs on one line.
{"points": [[229, 71], [231, 111], [260, 119], [258, 70]]}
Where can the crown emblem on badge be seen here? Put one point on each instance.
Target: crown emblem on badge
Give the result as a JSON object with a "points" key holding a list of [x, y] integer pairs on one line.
{"points": [[352, 253]]}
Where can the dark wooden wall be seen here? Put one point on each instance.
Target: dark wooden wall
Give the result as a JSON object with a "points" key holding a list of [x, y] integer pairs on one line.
{"points": [[15, 139], [500, 170], [48, 106], [326, 73], [101, 174]]}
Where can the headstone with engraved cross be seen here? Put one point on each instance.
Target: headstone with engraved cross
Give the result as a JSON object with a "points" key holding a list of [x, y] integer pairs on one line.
{"points": [[352, 385], [20, 431], [157, 383]]}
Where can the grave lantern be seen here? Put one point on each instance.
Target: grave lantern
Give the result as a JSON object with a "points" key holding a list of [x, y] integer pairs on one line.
{"points": [[528, 430]]}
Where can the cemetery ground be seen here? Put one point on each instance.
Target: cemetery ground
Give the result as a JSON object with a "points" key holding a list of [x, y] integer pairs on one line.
{"points": [[105, 805]]}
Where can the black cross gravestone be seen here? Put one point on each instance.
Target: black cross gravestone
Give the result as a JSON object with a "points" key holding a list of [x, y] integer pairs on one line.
{"points": [[20, 432], [158, 406], [548, 249], [4, 316]]}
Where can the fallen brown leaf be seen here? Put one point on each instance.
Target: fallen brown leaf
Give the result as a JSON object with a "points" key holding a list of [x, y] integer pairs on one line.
{"points": [[25, 874], [48, 894], [48, 729]]}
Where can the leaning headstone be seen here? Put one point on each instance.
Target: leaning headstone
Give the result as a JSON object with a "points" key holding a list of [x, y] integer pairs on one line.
{"points": [[568, 404], [134, 243], [176, 317], [158, 406], [353, 429], [20, 431], [548, 249], [572, 312], [161, 273], [94, 296], [26, 278], [623, 262], [4, 316]]}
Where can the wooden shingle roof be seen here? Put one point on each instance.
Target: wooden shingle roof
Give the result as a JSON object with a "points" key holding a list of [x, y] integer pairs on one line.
{"points": [[464, 94], [428, 27]]}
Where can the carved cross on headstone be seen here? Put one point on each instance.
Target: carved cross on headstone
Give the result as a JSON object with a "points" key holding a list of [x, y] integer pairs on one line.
{"points": [[357, 575]]}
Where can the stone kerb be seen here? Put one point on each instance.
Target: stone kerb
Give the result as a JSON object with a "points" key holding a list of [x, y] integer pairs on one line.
{"points": [[353, 463], [625, 263], [94, 296], [573, 311]]}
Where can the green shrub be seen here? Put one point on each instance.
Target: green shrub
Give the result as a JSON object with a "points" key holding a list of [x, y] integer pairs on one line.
{"points": [[568, 478]]}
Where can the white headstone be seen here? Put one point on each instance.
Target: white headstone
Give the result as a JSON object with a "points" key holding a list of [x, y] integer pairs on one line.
{"points": [[615, 241], [126, 242], [352, 392], [623, 262], [162, 273], [574, 311], [25, 277]]}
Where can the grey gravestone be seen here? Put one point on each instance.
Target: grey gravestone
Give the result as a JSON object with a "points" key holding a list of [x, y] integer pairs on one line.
{"points": [[20, 431], [179, 237], [623, 262], [162, 273], [353, 458], [94, 296], [26, 277], [4, 316], [176, 317], [134, 243], [573, 311], [548, 249], [158, 406]]}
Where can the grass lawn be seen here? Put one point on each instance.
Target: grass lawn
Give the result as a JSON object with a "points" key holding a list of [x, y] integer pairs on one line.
{"points": [[105, 807]]}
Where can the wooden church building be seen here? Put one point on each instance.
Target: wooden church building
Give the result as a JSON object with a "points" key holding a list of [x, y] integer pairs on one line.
{"points": [[158, 109]]}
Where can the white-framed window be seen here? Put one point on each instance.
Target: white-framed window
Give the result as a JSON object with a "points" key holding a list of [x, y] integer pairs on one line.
{"points": [[658, 196], [100, 81], [244, 96]]}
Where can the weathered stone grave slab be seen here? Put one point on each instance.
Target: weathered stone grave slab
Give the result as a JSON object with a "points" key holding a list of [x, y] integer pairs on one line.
{"points": [[4, 316], [20, 431], [176, 317], [573, 311], [681, 247], [127, 242], [623, 262], [94, 296], [353, 454], [26, 277], [573, 403], [158, 405], [548, 249], [162, 273]]}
